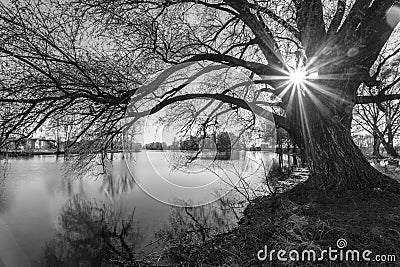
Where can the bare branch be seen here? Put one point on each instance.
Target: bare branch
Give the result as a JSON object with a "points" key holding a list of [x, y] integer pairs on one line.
{"points": [[376, 99], [276, 18], [337, 19]]}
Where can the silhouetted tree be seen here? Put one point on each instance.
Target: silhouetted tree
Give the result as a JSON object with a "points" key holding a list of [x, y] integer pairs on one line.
{"points": [[91, 57]]}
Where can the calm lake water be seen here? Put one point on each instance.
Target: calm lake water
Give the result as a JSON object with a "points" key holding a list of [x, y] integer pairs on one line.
{"points": [[37, 190]]}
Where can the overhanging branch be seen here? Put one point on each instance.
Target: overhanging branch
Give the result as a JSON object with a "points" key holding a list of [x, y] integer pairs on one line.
{"points": [[376, 99], [258, 68], [277, 119], [276, 18]]}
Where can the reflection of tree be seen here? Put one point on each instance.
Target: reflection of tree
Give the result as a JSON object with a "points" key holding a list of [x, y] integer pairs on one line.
{"points": [[90, 234], [118, 181], [198, 224], [113, 172], [117, 185], [4, 169]]}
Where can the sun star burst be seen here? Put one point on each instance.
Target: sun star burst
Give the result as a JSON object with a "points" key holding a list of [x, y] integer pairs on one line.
{"points": [[298, 76]]}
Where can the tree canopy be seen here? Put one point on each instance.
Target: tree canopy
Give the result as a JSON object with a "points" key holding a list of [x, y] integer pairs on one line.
{"points": [[90, 59]]}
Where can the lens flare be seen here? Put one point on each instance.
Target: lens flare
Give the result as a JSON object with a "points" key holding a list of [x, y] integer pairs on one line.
{"points": [[313, 75], [298, 76]]}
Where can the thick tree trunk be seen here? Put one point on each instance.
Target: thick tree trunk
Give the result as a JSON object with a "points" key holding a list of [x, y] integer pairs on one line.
{"points": [[303, 157], [280, 152], [389, 143], [376, 149], [390, 149], [335, 161], [294, 152]]}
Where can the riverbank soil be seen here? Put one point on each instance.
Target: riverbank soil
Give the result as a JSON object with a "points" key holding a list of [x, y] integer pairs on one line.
{"points": [[304, 219]]}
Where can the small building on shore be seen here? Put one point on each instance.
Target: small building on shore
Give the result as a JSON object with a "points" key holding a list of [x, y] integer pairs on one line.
{"points": [[31, 144]]}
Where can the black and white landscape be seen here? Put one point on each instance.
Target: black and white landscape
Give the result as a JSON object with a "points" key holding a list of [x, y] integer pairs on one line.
{"points": [[199, 133]]}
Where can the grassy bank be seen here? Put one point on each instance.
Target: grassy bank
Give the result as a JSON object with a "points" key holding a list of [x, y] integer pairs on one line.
{"points": [[302, 219]]}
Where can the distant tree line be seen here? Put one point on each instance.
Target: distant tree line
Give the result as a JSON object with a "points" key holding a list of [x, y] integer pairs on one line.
{"points": [[222, 142]]}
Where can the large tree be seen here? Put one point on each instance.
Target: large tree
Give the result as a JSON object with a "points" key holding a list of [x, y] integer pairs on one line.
{"points": [[381, 120], [91, 57]]}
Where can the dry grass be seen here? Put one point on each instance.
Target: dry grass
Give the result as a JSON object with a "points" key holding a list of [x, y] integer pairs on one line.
{"points": [[304, 219]]}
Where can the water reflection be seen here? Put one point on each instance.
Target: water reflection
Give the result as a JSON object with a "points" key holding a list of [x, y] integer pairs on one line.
{"points": [[114, 186], [42, 197], [4, 170], [92, 234], [115, 176], [198, 224]]}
